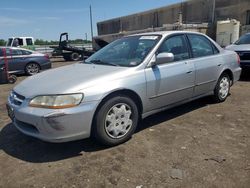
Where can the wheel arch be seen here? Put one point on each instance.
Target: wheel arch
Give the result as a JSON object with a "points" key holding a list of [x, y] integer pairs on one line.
{"points": [[125, 92], [29, 62], [230, 74]]}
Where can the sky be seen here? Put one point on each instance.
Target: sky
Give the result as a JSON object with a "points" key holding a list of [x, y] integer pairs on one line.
{"points": [[46, 19]]}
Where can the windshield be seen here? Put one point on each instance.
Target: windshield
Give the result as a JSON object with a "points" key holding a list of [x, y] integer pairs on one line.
{"points": [[127, 52], [245, 39], [9, 42]]}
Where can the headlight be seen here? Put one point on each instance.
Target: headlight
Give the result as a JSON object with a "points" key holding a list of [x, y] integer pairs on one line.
{"points": [[57, 101]]}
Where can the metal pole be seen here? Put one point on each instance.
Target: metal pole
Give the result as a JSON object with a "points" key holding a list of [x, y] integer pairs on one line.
{"points": [[213, 12], [86, 37], [91, 24]]}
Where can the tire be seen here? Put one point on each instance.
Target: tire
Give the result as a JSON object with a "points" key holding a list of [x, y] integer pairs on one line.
{"points": [[75, 56], [222, 88], [32, 68], [115, 121], [12, 79]]}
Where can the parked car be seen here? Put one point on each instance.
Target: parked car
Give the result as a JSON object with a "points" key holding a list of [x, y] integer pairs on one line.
{"points": [[242, 47], [129, 79], [24, 61]]}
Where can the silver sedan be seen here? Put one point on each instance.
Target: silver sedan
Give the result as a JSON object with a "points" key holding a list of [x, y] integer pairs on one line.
{"points": [[129, 79]]}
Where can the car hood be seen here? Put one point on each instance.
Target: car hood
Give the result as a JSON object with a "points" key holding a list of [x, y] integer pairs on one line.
{"points": [[68, 79], [242, 47]]}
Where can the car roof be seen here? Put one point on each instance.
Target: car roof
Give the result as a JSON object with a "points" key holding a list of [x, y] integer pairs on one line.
{"points": [[20, 37], [165, 33], [16, 48]]}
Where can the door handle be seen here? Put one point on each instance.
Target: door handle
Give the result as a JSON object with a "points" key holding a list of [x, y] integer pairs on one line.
{"points": [[219, 65], [188, 72]]}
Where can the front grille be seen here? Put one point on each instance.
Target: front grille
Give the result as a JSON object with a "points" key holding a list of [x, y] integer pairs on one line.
{"points": [[244, 55], [16, 98]]}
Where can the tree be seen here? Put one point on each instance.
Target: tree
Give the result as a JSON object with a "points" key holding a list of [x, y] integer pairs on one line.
{"points": [[55, 42], [2, 42]]}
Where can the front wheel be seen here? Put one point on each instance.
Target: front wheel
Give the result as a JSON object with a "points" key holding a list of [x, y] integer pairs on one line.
{"points": [[222, 88], [115, 121]]}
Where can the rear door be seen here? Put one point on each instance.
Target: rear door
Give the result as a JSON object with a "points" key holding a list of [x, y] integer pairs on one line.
{"points": [[174, 81], [207, 62], [18, 61]]}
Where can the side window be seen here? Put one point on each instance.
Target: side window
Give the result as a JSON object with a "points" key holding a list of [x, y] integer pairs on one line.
{"points": [[16, 52], [20, 42], [24, 52], [200, 45], [216, 51], [7, 52], [176, 45], [29, 42]]}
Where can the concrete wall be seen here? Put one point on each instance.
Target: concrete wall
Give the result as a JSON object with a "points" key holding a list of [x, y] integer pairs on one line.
{"points": [[236, 9], [194, 11]]}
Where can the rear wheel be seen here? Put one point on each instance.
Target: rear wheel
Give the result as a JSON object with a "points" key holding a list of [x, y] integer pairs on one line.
{"points": [[115, 121], [75, 56], [222, 88], [32, 68]]}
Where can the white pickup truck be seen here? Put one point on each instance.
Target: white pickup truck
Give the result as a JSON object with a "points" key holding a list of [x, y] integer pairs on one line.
{"points": [[24, 42]]}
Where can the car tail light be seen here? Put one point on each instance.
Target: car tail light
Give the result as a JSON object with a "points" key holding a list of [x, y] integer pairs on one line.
{"points": [[238, 59]]}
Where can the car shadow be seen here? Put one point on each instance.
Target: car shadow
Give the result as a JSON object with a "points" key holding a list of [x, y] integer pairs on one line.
{"points": [[173, 113], [33, 150]]}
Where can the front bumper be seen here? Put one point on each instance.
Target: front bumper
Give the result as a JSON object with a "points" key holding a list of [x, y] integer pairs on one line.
{"points": [[54, 125]]}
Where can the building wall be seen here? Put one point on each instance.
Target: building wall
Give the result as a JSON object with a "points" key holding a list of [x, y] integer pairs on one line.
{"points": [[236, 9], [193, 11]]}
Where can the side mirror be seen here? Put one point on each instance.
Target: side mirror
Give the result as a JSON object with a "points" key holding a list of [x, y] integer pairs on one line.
{"points": [[164, 58]]}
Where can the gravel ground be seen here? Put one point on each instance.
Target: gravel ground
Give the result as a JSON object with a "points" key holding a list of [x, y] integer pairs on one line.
{"points": [[199, 144]]}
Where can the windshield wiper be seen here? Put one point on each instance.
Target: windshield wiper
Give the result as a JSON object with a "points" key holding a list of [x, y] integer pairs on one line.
{"points": [[100, 62]]}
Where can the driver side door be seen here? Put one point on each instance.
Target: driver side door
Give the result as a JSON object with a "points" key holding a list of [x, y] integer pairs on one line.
{"points": [[171, 82]]}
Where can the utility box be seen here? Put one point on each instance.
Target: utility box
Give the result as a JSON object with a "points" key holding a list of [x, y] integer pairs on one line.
{"points": [[228, 32]]}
